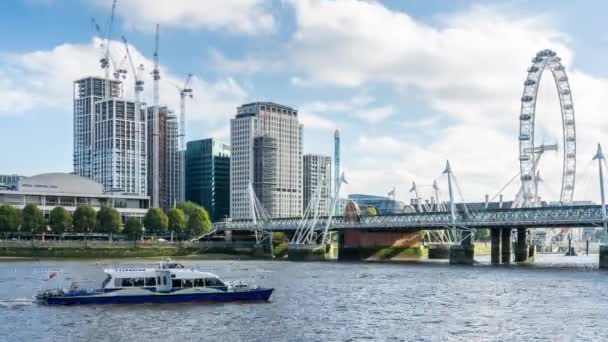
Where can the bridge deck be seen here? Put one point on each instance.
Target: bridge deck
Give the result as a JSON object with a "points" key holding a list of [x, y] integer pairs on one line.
{"points": [[565, 216]]}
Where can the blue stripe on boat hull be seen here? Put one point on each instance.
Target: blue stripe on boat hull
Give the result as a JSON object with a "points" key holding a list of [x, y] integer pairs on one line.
{"points": [[252, 295]]}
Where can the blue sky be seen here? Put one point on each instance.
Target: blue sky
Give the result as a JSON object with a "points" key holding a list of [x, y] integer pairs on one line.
{"points": [[409, 83]]}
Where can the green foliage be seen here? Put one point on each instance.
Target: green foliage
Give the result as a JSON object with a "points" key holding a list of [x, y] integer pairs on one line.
{"points": [[371, 211], [84, 219], [177, 220], [279, 237], [156, 221], [133, 228], [197, 218], [32, 219], [60, 220], [108, 220], [482, 234], [9, 218]]}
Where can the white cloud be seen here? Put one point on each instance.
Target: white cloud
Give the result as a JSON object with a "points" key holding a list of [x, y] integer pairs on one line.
{"points": [[43, 80], [469, 68], [247, 65], [376, 114], [241, 16]]}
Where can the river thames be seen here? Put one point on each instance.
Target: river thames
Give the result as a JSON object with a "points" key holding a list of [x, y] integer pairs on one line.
{"points": [[557, 299]]}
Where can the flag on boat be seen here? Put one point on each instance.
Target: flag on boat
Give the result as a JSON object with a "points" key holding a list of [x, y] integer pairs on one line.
{"points": [[52, 275], [392, 192]]}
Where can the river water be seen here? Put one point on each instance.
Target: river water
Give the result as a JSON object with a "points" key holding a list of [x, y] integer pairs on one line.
{"points": [[557, 299]]}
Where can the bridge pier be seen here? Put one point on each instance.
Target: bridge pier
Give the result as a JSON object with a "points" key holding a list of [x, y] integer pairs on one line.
{"points": [[462, 254], [495, 249], [439, 252], [505, 236], [521, 247], [603, 257]]}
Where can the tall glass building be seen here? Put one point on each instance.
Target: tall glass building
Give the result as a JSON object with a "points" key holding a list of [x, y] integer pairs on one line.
{"points": [[208, 176]]}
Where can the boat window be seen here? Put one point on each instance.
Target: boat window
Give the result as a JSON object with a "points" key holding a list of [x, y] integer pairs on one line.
{"points": [[106, 281], [126, 282], [199, 282], [187, 282], [158, 280], [176, 283], [164, 280], [213, 282], [140, 282], [150, 282]]}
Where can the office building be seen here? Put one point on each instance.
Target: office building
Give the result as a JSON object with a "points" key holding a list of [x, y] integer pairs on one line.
{"points": [[9, 180], [169, 168], [281, 145], [208, 176], [109, 137], [317, 177], [50, 190], [383, 205]]}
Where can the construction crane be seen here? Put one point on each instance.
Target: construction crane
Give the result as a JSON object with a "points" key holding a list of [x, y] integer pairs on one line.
{"points": [[155, 124], [184, 92], [106, 58], [139, 89]]}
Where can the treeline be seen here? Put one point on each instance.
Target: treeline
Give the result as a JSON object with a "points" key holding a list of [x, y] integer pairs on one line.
{"points": [[187, 219]]}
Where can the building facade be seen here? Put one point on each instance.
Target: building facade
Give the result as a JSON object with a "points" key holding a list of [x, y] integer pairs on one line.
{"points": [[383, 205], [9, 180], [109, 137], [51, 190], [169, 162], [274, 121], [317, 180], [208, 176]]}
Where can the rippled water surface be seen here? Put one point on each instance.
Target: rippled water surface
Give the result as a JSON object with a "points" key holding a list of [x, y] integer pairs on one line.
{"points": [[558, 299]]}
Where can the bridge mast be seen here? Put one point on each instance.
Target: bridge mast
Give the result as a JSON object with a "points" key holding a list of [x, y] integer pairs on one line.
{"points": [[600, 158], [448, 171]]}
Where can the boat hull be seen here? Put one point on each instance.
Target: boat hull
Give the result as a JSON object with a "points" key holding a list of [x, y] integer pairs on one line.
{"points": [[229, 296]]}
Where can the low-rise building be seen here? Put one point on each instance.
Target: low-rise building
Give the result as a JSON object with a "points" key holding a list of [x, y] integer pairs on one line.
{"points": [[51, 190]]}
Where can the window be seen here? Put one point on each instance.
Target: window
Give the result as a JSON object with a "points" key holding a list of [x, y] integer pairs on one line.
{"points": [[199, 282], [126, 282], [158, 280], [150, 282], [176, 283], [213, 282], [139, 282], [187, 282]]}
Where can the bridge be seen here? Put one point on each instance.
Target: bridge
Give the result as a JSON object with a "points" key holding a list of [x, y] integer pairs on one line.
{"points": [[541, 217]]}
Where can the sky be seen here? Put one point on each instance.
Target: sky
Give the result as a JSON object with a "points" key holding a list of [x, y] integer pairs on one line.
{"points": [[410, 84]]}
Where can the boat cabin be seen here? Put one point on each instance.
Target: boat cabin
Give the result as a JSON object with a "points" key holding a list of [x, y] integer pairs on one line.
{"points": [[162, 279]]}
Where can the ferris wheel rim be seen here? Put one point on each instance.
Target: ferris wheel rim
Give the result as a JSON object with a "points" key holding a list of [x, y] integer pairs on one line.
{"points": [[546, 59]]}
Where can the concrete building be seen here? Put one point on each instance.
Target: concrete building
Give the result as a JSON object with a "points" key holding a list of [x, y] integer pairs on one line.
{"points": [[270, 120], [50, 190], [265, 177], [317, 177], [109, 137], [169, 168], [208, 176]]}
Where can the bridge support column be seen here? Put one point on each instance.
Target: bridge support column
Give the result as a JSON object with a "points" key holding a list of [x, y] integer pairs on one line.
{"points": [[521, 247], [495, 249], [505, 237], [439, 252], [462, 254], [603, 257]]}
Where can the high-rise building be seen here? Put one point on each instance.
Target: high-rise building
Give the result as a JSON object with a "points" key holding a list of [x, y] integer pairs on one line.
{"points": [[317, 177], [265, 178], [280, 123], [208, 176], [169, 162], [109, 137]]}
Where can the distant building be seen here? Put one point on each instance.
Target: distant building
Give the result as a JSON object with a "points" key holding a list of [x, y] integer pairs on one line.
{"points": [[50, 190], [269, 120], [384, 205], [317, 175], [265, 177], [208, 176], [169, 168], [109, 137], [9, 180]]}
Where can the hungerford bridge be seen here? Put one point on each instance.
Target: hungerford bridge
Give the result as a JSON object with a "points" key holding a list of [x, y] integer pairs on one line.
{"points": [[457, 221]]}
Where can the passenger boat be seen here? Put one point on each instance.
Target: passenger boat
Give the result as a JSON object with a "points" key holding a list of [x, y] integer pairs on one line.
{"points": [[170, 282]]}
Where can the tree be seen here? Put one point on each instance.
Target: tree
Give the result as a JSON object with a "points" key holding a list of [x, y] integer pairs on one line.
{"points": [[188, 207], [84, 219], [177, 220], [482, 234], [60, 220], [108, 220], [133, 228], [198, 222], [156, 221], [371, 211], [32, 219], [9, 219]]}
